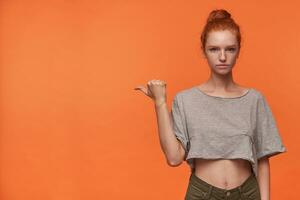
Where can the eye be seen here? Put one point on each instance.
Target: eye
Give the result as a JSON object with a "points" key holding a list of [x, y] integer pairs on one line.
{"points": [[213, 49], [231, 49]]}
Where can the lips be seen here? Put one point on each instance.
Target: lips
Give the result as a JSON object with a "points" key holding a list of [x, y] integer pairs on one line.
{"points": [[223, 65]]}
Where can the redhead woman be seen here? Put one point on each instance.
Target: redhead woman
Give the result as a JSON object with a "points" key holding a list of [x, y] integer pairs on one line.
{"points": [[226, 132]]}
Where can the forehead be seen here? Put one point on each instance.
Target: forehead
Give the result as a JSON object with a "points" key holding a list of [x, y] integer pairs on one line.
{"points": [[221, 38]]}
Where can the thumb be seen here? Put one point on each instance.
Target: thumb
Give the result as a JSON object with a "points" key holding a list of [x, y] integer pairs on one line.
{"points": [[142, 88]]}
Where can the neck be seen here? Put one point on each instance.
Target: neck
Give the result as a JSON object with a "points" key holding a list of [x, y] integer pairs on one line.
{"points": [[221, 82]]}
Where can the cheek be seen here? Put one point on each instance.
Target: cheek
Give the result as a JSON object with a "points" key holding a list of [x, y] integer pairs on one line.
{"points": [[233, 57], [211, 60], [211, 57]]}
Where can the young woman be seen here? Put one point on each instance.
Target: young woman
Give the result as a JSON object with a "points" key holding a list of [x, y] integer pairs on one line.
{"points": [[224, 131]]}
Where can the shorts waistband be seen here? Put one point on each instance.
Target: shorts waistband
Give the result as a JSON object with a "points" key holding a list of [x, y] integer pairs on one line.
{"points": [[206, 186]]}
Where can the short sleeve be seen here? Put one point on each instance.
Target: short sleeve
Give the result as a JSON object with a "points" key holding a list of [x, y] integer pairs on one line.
{"points": [[267, 139], [179, 123]]}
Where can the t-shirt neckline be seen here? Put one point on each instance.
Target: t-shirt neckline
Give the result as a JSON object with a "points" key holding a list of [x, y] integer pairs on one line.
{"points": [[226, 98]]}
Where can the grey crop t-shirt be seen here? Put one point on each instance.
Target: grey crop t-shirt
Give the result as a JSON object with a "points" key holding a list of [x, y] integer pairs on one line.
{"points": [[212, 127]]}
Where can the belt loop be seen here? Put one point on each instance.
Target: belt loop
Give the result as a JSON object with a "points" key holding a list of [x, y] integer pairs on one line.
{"points": [[209, 192], [241, 193]]}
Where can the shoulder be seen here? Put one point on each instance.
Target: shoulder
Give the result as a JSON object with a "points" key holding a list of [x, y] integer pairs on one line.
{"points": [[185, 93], [258, 93], [254, 92], [261, 101], [260, 96]]}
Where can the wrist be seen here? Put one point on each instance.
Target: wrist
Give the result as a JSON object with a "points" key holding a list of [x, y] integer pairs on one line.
{"points": [[160, 103]]}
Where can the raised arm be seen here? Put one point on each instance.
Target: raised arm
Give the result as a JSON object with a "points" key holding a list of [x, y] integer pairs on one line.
{"points": [[170, 145]]}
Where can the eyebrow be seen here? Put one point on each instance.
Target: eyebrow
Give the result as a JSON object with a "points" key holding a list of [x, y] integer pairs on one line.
{"points": [[227, 46]]}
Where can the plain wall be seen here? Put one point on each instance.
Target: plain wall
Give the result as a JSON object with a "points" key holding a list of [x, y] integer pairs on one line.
{"points": [[73, 128]]}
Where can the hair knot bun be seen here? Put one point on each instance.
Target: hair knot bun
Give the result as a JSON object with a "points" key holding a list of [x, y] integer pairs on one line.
{"points": [[219, 14], [219, 20]]}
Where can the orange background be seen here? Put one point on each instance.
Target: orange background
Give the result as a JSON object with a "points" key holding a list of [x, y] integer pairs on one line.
{"points": [[73, 128]]}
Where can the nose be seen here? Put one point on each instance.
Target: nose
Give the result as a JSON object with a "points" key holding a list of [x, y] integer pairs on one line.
{"points": [[222, 56]]}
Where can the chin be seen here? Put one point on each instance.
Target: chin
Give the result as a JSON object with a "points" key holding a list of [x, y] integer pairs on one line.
{"points": [[222, 71]]}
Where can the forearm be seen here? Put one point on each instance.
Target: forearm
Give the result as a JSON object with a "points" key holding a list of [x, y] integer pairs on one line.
{"points": [[168, 141], [263, 178]]}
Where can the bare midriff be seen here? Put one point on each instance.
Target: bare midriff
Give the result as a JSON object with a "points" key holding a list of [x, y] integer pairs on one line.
{"points": [[223, 173]]}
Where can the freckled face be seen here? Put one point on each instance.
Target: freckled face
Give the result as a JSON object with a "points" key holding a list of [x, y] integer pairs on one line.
{"points": [[221, 49]]}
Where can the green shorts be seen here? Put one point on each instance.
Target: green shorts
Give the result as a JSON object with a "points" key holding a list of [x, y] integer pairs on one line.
{"points": [[199, 189]]}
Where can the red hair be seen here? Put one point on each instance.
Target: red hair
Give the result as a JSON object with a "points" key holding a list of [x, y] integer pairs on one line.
{"points": [[217, 20]]}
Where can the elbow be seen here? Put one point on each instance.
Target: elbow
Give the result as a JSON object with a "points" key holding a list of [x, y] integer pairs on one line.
{"points": [[174, 162], [177, 159]]}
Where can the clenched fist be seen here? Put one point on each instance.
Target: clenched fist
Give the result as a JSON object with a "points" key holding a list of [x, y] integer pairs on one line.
{"points": [[156, 90]]}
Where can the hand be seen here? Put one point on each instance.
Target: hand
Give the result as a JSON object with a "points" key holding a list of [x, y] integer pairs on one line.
{"points": [[156, 90]]}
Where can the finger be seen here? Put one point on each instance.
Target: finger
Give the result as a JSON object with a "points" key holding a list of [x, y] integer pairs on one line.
{"points": [[141, 88], [156, 81], [137, 88], [144, 90], [159, 82]]}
